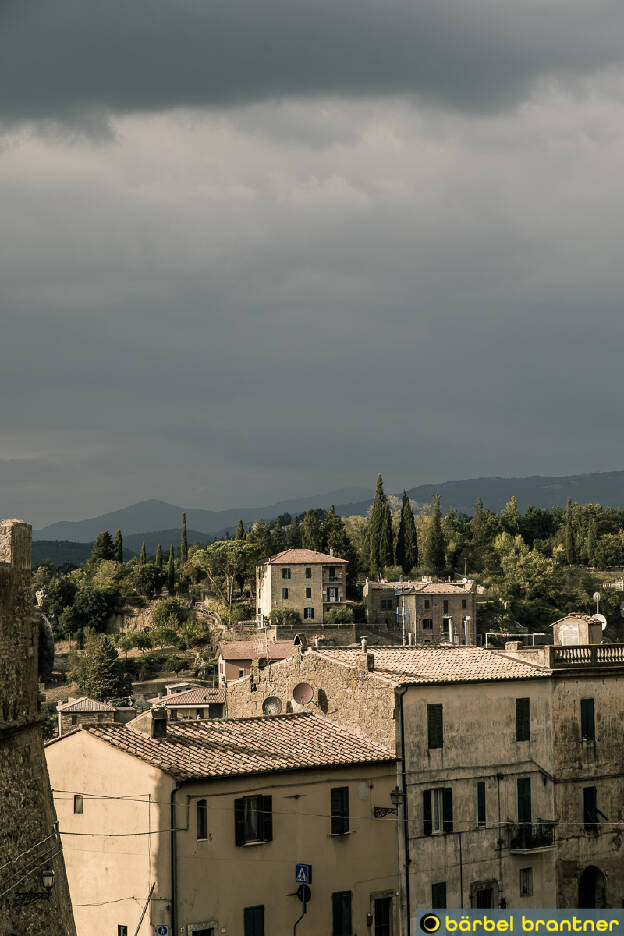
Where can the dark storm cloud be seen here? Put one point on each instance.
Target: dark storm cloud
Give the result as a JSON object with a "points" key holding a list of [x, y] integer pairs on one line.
{"points": [[77, 61]]}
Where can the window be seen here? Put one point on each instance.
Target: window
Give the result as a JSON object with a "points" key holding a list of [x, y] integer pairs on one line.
{"points": [[308, 614], [427, 624], [464, 603], [215, 710], [202, 819], [285, 573], [526, 882], [427, 603], [339, 810], [122, 930], [523, 719], [382, 914], [199, 713], [332, 594], [308, 573], [437, 811], [241, 673], [78, 804], [588, 727], [590, 806], [101, 717], [438, 895], [524, 799], [481, 820], [445, 606], [253, 818], [308, 592], [74, 719], [332, 572], [284, 593], [341, 913], [434, 726], [482, 897], [253, 921]]}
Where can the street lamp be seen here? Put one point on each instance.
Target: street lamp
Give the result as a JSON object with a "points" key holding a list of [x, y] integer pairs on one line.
{"points": [[47, 880], [397, 796]]}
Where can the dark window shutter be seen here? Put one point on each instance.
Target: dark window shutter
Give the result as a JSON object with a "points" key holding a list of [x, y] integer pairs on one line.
{"points": [[524, 799], [239, 821], [590, 805], [588, 730], [447, 810], [202, 819], [481, 817], [438, 896], [523, 719], [427, 823], [341, 914], [254, 921], [434, 726], [266, 805], [339, 810]]}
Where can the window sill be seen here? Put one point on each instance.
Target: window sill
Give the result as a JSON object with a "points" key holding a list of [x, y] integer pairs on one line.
{"points": [[337, 835], [251, 844]]}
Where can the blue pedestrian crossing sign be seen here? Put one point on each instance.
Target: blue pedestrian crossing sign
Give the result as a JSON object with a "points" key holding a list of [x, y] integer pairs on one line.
{"points": [[162, 930], [303, 873]]}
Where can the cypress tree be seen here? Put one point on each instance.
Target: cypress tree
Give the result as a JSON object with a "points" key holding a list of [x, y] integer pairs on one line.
{"points": [[158, 561], [240, 531], [590, 543], [118, 546], [278, 538], [312, 531], [183, 542], [407, 539], [142, 555], [171, 572], [294, 534], [434, 557], [380, 532], [570, 541], [103, 547]]}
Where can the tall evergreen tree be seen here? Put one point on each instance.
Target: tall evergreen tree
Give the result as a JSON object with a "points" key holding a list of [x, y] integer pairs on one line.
{"points": [[142, 555], [380, 532], [312, 531], [103, 547], [183, 542], [294, 534], [171, 572], [337, 541], [278, 538], [569, 537], [240, 531], [261, 535], [407, 538], [510, 517], [118, 546], [590, 542], [434, 552], [99, 673], [158, 561]]}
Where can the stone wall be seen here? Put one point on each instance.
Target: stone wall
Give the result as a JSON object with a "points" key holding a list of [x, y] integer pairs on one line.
{"points": [[353, 697], [28, 840]]}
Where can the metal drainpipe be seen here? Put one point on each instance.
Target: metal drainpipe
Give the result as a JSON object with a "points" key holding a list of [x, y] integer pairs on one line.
{"points": [[401, 692], [502, 902], [174, 863]]}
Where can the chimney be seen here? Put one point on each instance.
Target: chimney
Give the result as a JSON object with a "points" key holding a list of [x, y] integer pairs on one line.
{"points": [[364, 644], [331, 550], [159, 723], [367, 660]]}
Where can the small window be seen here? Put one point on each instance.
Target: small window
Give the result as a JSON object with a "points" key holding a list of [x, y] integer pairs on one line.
{"points": [[445, 606], [588, 727], [464, 603], [590, 806], [427, 624], [101, 717], [241, 673], [481, 816], [523, 719], [526, 882], [339, 810], [308, 592], [285, 573], [284, 593], [253, 817], [122, 930], [341, 914], [434, 726], [438, 896], [202, 819], [332, 571], [78, 804], [524, 799], [427, 603], [253, 918], [438, 811], [74, 719], [308, 614], [199, 713], [308, 573]]}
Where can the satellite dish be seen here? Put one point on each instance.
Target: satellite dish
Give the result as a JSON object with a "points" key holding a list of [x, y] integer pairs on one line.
{"points": [[464, 580], [272, 705], [596, 596], [303, 693], [601, 620]]}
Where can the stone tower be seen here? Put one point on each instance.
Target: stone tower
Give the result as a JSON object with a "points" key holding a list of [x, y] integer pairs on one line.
{"points": [[29, 842]]}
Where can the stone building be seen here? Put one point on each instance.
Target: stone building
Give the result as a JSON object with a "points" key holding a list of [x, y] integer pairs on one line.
{"points": [[193, 704], [248, 800], [85, 711], [430, 612], [307, 581], [236, 657], [29, 841]]}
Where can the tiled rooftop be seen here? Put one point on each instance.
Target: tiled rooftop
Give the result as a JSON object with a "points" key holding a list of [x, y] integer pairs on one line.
{"points": [[253, 649], [238, 746], [438, 664], [424, 588], [303, 557], [84, 704], [197, 696]]}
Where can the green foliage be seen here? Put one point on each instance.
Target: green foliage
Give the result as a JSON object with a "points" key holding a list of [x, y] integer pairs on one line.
{"points": [[171, 572], [99, 673], [380, 532], [434, 553], [407, 538], [169, 609], [312, 531], [183, 542], [224, 563], [240, 531], [118, 547], [294, 536], [289, 617], [142, 555], [158, 560], [339, 616], [148, 580], [103, 547]]}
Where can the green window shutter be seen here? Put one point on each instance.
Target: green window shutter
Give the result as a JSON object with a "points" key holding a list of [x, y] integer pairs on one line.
{"points": [[239, 821], [524, 799], [434, 726], [339, 810], [590, 805], [341, 914], [438, 896], [481, 817], [427, 821], [266, 805], [202, 819], [447, 810], [254, 921], [523, 719], [588, 726]]}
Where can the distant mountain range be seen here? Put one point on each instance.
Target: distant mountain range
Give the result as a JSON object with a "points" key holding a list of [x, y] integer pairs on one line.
{"points": [[155, 521]]}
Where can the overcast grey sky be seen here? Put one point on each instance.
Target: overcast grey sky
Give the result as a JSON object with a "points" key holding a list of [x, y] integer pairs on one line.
{"points": [[253, 249]]}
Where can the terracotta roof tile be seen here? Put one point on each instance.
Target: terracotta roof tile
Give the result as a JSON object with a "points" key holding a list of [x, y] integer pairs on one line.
{"points": [[254, 649], [424, 588], [84, 704], [198, 696], [437, 664], [237, 746], [303, 557]]}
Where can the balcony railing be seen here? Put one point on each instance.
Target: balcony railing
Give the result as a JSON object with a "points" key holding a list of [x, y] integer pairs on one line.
{"points": [[529, 836], [588, 655], [332, 578]]}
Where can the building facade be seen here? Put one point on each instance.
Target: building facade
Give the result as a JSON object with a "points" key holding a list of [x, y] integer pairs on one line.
{"points": [[302, 580], [250, 800], [430, 612], [85, 711], [237, 657], [29, 842]]}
